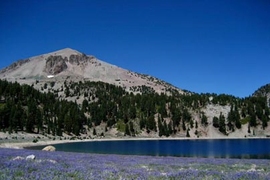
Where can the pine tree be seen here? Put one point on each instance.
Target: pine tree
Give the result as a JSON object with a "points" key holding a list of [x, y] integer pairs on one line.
{"points": [[183, 125], [170, 128], [84, 105], [215, 122], [222, 125], [151, 124], [204, 120], [231, 119], [237, 118], [160, 127], [264, 121], [131, 128], [191, 123], [31, 117], [238, 124], [253, 121], [142, 122], [188, 135], [94, 132], [127, 131]]}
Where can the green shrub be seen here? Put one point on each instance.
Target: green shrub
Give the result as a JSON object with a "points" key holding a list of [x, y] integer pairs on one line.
{"points": [[245, 120]]}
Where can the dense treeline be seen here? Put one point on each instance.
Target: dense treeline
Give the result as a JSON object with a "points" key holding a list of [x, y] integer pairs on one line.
{"points": [[23, 108]]}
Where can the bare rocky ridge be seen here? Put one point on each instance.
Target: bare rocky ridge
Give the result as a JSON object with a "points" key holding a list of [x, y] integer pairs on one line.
{"points": [[71, 65], [14, 66]]}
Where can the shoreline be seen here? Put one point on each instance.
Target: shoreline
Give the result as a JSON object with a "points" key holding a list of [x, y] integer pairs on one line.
{"points": [[25, 144]]}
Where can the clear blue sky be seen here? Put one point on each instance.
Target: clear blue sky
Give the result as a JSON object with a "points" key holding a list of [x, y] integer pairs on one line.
{"points": [[220, 46]]}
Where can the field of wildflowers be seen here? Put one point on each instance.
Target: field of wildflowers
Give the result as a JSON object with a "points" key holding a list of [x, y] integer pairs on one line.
{"points": [[64, 165]]}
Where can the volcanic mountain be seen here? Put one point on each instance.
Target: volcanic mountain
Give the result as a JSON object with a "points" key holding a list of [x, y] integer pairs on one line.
{"points": [[83, 95], [70, 65]]}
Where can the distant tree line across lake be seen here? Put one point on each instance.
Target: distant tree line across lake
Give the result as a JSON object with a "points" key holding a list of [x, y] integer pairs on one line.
{"points": [[23, 108]]}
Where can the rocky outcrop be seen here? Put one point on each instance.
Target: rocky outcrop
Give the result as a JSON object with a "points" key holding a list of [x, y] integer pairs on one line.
{"points": [[55, 65], [49, 148], [79, 59], [31, 157], [18, 158]]}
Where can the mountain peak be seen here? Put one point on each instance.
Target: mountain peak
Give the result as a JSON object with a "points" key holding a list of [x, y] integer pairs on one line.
{"points": [[66, 52], [69, 64]]}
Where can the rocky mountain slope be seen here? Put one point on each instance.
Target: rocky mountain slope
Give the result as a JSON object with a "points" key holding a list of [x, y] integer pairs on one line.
{"points": [[81, 95], [71, 65]]}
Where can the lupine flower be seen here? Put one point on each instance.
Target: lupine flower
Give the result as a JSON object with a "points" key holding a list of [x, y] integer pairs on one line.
{"points": [[65, 165]]}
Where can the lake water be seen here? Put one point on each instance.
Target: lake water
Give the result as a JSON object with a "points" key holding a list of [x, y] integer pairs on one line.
{"points": [[222, 148]]}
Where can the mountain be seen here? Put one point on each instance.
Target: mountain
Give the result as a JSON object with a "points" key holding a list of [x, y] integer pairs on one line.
{"points": [[71, 65], [67, 93]]}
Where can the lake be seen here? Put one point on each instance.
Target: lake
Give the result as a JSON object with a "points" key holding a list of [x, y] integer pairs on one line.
{"points": [[218, 148]]}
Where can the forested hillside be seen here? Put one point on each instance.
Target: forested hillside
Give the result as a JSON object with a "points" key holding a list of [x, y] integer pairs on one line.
{"points": [[23, 108], [263, 91]]}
